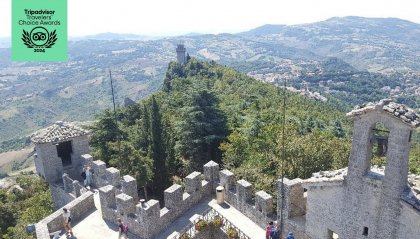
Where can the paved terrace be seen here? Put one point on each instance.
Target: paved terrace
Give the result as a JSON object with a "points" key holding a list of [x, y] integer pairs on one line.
{"points": [[94, 227]]}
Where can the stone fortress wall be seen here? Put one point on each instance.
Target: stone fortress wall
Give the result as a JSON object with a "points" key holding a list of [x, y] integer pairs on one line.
{"points": [[359, 202], [119, 198], [79, 207]]}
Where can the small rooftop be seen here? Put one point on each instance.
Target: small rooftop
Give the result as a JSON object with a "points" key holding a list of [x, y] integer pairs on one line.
{"points": [[411, 195], [407, 115], [57, 132]]}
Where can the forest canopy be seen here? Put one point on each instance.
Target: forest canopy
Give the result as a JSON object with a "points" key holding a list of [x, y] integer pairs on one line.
{"points": [[205, 111]]}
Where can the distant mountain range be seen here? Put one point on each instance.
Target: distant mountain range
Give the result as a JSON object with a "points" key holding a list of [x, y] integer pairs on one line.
{"points": [[350, 59], [375, 44]]}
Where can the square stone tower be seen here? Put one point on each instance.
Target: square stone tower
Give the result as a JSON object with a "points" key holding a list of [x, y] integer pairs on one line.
{"points": [[58, 150], [361, 201], [180, 54], [371, 206]]}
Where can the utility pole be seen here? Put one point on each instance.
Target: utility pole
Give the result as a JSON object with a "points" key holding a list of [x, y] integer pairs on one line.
{"points": [[115, 118], [283, 157]]}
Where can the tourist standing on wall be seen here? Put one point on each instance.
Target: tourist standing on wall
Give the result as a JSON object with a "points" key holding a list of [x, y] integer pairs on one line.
{"points": [[122, 229], [67, 222], [268, 230], [290, 236], [84, 175], [88, 173]]}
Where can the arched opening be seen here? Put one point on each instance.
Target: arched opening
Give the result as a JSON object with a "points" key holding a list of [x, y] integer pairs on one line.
{"points": [[379, 144]]}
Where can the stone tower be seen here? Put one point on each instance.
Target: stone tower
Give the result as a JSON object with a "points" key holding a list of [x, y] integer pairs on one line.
{"points": [[180, 54], [371, 200], [58, 150]]}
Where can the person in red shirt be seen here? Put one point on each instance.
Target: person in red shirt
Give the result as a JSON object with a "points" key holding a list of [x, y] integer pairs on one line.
{"points": [[268, 230]]}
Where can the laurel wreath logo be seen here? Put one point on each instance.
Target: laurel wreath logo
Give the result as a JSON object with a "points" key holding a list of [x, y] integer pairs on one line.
{"points": [[26, 38]]}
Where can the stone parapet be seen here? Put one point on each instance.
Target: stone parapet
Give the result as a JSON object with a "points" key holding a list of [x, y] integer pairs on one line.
{"points": [[103, 176], [129, 187], [211, 172], [125, 204], [173, 196], [264, 202], [239, 195], [192, 182], [227, 179], [244, 191], [294, 200], [54, 222], [147, 219]]}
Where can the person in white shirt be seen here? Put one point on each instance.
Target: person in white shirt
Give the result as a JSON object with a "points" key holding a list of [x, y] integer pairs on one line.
{"points": [[67, 222], [88, 172]]}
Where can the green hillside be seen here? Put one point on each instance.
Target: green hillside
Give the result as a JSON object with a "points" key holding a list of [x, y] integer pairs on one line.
{"points": [[348, 60], [206, 111]]}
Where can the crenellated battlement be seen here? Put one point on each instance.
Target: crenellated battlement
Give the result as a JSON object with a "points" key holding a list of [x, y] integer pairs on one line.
{"points": [[258, 207], [119, 199], [72, 186]]}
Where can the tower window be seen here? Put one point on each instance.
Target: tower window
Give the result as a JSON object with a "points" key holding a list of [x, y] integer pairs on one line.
{"points": [[64, 151], [365, 231]]}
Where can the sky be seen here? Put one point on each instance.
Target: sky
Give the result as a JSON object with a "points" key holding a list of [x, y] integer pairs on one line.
{"points": [[169, 17]]}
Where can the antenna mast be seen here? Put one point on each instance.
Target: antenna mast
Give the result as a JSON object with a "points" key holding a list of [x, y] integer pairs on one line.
{"points": [[117, 131], [283, 157]]}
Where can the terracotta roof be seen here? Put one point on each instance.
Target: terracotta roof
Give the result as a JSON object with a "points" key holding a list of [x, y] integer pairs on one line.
{"points": [[57, 132], [407, 115]]}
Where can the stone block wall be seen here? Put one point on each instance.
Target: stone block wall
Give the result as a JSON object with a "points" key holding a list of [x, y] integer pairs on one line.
{"points": [[409, 223], [103, 176], [294, 200], [79, 208], [239, 195], [60, 196], [148, 219], [52, 167]]}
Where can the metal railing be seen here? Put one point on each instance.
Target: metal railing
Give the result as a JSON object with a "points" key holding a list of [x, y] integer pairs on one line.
{"points": [[209, 215]]}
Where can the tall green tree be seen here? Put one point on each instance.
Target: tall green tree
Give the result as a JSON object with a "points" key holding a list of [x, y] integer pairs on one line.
{"points": [[158, 152], [103, 133], [201, 130]]}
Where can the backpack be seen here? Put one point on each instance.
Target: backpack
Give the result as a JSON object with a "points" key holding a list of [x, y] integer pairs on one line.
{"points": [[83, 175], [125, 228], [274, 234]]}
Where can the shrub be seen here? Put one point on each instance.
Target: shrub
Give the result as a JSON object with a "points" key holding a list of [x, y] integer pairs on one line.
{"points": [[201, 225], [232, 233], [185, 236], [217, 221]]}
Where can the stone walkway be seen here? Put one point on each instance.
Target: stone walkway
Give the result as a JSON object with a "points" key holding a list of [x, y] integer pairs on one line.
{"points": [[184, 220], [94, 227], [239, 220]]}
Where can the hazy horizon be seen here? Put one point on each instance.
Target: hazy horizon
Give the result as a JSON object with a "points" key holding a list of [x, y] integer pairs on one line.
{"points": [[173, 18], [176, 34]]}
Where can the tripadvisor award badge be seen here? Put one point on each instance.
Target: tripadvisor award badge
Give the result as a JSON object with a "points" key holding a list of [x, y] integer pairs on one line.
{"points": [[39, 30]]}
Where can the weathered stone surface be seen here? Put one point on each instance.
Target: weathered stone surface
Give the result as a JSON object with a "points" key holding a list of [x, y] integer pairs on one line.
{"points": [[173, 196], [129, 187], [227, 179], [107, 196], [54, 222], [244, 191], [211, 171], [264, 202], [125, 204], [113, 176], [192, 182]]}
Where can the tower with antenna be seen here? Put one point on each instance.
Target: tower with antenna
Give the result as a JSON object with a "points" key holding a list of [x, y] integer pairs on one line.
{"points": [[180, 53]]}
